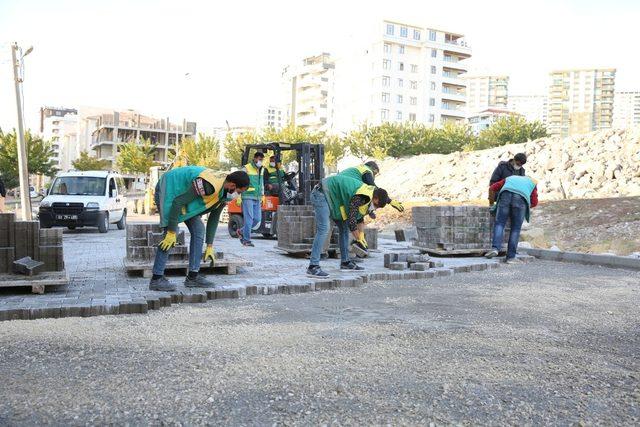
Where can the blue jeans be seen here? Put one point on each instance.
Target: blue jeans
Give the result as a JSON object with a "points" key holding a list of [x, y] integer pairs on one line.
{"points": [[251, 216], [514, 206], [197, 230], [323, 228]]}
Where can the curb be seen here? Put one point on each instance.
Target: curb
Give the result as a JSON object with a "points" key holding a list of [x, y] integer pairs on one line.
{"points": [[612, 261]]}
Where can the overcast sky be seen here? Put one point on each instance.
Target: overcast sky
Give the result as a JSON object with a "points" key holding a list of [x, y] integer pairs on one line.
{"points": [[136, 53]]}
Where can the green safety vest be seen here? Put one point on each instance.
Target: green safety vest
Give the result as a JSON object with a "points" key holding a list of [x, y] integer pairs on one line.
{"points": [[255, 182], [178, 181], [274, 173], [356, 172], [339, 189]]}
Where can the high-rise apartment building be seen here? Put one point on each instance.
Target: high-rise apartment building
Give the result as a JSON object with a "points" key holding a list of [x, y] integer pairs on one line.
{"points": [[272, 117], [59, 126], [406, 73], [308, 92], [626, 109], [580, 101], [531, 107], [484, 92]]}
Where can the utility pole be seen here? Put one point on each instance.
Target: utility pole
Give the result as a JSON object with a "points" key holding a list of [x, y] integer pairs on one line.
{"points": [[25, 194]]}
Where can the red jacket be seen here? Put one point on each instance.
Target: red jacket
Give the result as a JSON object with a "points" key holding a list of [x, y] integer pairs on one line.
{"points": [[495, 188]]}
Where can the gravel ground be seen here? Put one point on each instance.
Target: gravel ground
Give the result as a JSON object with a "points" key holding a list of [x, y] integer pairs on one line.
{"points": [[532, 344]]}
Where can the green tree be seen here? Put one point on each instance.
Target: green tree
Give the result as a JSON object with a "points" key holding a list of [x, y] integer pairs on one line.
{"points": [[513, 129], [234, 146], [39, 157], [88, 163], [136, 158], [205, 151]]}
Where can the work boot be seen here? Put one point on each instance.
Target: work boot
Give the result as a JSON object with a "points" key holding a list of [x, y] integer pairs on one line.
{"points": [[350, 266], [198, 282], [161, 284], [248, 243], [316, 272], [491, 254]]}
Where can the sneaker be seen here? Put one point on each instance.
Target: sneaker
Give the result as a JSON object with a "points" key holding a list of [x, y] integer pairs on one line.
{"points": [[161, 284], [491, 254], [350, 266], [316, 271], [198, 282], [250, 244], [510, 261]]}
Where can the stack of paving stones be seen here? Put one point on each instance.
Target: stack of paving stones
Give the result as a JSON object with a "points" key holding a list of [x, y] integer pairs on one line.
{"points": [[142, 240], [459, 228], [371, 236], [404, 260], [296, 227], [19, 239]]}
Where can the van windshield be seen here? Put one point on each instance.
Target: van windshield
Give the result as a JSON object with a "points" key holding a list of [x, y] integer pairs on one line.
{"points": [[79, 186]]}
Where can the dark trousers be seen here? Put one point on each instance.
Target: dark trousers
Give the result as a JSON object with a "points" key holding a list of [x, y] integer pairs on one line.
{"points": [[510, 206]]}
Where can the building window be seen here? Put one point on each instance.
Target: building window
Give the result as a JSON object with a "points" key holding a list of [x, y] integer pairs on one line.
{"points": [[399, 115], [434, 53], [432, 102], [387, 48], [433, 69], [386, 64], [412, 117], [416, 34], [400, 83], [385, 97], [399, 99], [432, 35], [403, 32], [386, 81], [384, 114], [390, 29], [401, 66], [401, 49], [413, 84], [432, 118], [414, 68], [433, 85], [413, 100]]}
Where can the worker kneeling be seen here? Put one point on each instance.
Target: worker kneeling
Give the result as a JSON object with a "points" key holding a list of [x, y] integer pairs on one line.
{"points": [[344, 200], [184, 195]]}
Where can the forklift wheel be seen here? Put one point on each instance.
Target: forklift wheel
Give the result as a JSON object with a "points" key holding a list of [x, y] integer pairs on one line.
{"points": [[235, 224]]}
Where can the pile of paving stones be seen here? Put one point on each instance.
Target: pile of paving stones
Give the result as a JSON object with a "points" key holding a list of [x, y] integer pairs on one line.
{"points": [[143, 238], [296, 227], [404, 260]]}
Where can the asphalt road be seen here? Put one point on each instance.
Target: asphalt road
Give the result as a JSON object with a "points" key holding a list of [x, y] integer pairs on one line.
{"points": [[534, 344]]}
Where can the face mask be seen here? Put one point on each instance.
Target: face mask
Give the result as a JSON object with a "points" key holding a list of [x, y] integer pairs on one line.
{"points": [[272, 164], [259, 163], [233, 196], [371, 207], [516, 167]]}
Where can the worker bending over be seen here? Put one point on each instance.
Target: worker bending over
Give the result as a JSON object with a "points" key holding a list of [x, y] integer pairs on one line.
{"points": [[515, 196], [344, 200], [184, 195]]}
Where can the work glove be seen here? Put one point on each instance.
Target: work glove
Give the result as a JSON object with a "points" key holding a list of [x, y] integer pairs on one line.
{"points": [[210, 254], [239, 201], [169, 241], [397, 205], [264, 200], [362, 241]]}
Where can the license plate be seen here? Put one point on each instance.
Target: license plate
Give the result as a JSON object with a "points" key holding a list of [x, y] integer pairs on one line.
{"points": [[66, 217]]}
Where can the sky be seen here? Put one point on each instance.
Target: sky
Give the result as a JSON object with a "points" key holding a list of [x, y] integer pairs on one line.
{"points": [[212, 61]]}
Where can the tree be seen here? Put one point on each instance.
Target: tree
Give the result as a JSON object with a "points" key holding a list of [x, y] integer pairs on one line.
{"points": [[136, 158], [40, 159], [203, 152], [513, 129], [234, 146], [89, 163]]}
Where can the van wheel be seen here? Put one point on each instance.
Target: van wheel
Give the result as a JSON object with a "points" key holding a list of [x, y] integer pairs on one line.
{"points": [[123, 221], [103, 226]]}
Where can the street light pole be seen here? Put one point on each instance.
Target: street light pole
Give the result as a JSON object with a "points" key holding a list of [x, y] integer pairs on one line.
{"points": [[25, 194]]}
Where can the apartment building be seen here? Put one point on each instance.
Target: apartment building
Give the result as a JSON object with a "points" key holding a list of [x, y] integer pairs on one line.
{"points": [[308, 87], [272, 117], [118, 127], [59, 126], [406, 73], [580, 100], [482, 120], [626, 109], [46, 112], [531, 107], [485, 92]]}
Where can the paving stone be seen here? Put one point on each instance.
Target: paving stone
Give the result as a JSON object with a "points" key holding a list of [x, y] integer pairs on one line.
{"points": [[397, 265], [436, 264], [417, 258], [462, 268], [389, 258], [442, 272]]}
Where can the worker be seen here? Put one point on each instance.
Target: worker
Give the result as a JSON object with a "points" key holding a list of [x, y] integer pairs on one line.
{"points": [[516, 195], [252, 199], [184, 195], [511, 167], [366, 173], [344, 200], [273, 176], [3, 194]]}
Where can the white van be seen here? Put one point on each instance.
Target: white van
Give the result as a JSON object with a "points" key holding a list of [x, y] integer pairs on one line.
{"points": [[85, 199]]}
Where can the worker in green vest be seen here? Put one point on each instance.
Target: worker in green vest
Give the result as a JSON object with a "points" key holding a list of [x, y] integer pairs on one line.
{"points": [[252, 199], [344, 200], [273, 176], [184, 194]]}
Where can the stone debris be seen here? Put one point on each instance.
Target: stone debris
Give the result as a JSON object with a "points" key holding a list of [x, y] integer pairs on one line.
{"points": [[27, 266]]}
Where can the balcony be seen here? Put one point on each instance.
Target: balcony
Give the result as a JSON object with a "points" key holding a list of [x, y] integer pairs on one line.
{"points": [[453, 94], [453, 78]]}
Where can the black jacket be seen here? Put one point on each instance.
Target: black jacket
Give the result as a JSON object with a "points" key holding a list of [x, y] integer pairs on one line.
{"points": [[504, 170]]}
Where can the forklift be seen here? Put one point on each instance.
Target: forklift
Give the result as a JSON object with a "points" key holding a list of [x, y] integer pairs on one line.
{"points": [[293, 189]]}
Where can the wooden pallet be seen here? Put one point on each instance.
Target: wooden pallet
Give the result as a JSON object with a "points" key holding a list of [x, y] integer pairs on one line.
{"points": [[37, 282], [228, 265], [451, 252]]}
